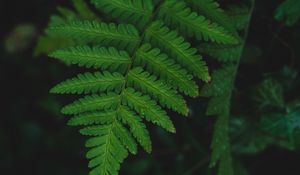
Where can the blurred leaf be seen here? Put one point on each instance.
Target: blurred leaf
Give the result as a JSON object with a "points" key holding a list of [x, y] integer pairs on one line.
{"points": [[222, 53], [288, 12], [283, 125], [250, 139], [239, 14], [269, 94], [222, 82], [20, 38], [220, 143], [218, 105]]}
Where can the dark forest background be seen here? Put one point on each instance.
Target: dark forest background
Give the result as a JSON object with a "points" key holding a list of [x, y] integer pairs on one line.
{"points": [[34, 138]]}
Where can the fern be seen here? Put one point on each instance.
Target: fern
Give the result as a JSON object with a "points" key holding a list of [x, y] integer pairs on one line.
{"points": [[220, 91], [239, 15], [191, 24], [213, 12], [144, 63], [49, 41], [269, 94], [90, 83], [138, 12], [222, 53], [283, 124]]}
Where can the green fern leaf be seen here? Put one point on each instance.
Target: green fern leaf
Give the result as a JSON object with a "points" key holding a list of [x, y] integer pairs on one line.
{"points": [[122, 36], [222, 82], [148, 108], [177, 47], [137, 12], [211, 9], [239, 15], [137, 128], [107, 152], [92, 103], [191, 24], [218, 105], [162, 92], [222, 53], [90, 83], [92, 118], [93, 57], [167, 69], [220, 143], [125, 137], [143, 71]]}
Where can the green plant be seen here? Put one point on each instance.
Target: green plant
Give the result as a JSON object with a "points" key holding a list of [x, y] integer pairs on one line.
{"points": [[288, 12], [221, 88], [145, 60]]}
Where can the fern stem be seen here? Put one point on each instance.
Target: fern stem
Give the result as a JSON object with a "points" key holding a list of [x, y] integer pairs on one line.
{"points": [[226, 115], [139, 44], [245, 37], [132, 59]]}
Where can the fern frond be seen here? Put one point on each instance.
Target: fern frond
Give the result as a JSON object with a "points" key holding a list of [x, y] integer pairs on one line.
{"points": [[160, 91], [90, 83], [222, 53], [220, 141], [137, 12], [137, 128], [107, 152], [212, 11], [218, 105], [160, 65], [125, 137], [239, 15], [191, 24], [148, 108], [143, 71], [92, 118], [177, 47], [97, 130], [222, 82], [96, 57], [269, 93], [92, 103], [122, 36]]}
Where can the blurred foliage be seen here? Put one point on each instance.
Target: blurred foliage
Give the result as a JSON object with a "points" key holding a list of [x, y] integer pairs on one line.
{"points": [[20, 38], [265, 110], [288, 12]]}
